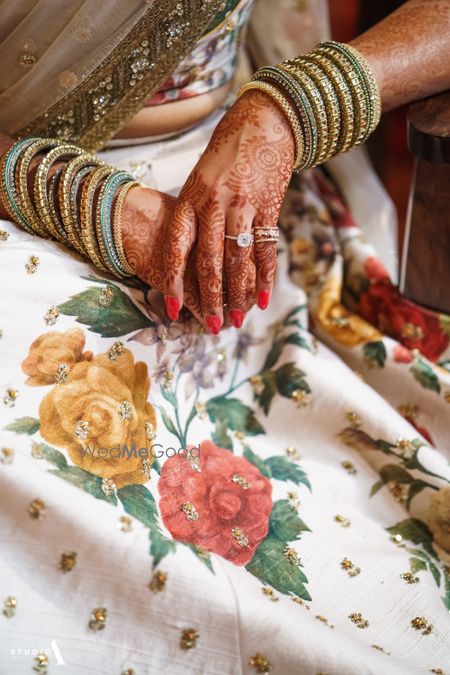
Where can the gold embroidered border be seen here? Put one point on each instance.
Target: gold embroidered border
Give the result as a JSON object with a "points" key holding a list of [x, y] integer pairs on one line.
{"points": [[101, 104]]}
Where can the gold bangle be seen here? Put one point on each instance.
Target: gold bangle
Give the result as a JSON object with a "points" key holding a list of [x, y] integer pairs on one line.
{"points": [[86, 214], [286, 107], [117, 229]]}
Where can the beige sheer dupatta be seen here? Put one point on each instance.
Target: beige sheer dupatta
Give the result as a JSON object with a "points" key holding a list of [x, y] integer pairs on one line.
{"points": [[79, 70]]}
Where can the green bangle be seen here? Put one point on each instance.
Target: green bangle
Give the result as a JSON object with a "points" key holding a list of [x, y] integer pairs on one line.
{"points": [[104, 217], [8, 190]]}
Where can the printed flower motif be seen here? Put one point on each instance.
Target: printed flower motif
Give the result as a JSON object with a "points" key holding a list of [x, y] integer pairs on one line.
{"points": [[103, 404], [439, 522], [224, 507], [375, 270], [52, 350], [414, 327], [402, 355]]}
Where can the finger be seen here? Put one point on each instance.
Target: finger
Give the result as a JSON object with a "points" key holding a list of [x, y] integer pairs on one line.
{"points": [[237, 259], [209, 264], [265, 253], [191, 289]]}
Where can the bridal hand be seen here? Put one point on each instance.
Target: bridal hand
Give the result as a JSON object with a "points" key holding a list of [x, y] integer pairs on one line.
{"points": [[239, 183]]}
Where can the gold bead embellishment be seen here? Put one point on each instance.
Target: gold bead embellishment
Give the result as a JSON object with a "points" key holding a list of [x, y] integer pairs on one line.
{"points": [[411, 332], [10, 397], [158, 581], [240, 537], [397, 539], [189, 637], [150, 431], [6, 456], [116, 349], [194, 461], [41, 663], [292, 556], [32, 264], [36, 451], [350, 568], [353, 419], [82, 429], [67, 561], [51, 315], [105, 296], [10, 606], [447, 396], [200, 409], [437, 671], [407, 450], [241, 481], [125, 524], [420, 623], [62, 373], [36, 509], [400, 491], [98, 619], [4, 235], [108, 487], [300, 397], [381, 649], [146, 467], [293, 500], [409, 578], [128, 671], [299, 601], [189, 511], [349, 467], [268, 592], [260, 663], [293, 453], [257, 384], [27, 60], [342, 520], [324, 620], [408, 410], [358, 620], [125, 410]]}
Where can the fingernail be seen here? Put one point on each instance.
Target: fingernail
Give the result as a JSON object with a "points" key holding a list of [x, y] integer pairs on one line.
{"points": [[237, 317], [263, 299], [214, 324], [172, 307]]}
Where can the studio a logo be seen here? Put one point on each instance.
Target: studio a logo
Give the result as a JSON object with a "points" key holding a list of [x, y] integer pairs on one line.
{"points": [[40, 655], [58, 656]]}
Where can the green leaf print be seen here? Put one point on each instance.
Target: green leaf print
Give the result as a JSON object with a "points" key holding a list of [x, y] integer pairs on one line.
{"points": [[234, 414], [271, 566], [170, 426], [24, 425], [138, 501], [285, 524], [416, 531], [446, 597], [375, 353], [417, 565], [257, 461], [395, 473], [202, 555], [221, 436], [283, 469], [160, 546], [268, 389], [85, 481], [289, 379], [118, 317], [53, 456], [425, 375]]}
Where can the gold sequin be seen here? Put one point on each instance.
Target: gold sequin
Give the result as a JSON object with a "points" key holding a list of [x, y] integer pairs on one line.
{"points": [[36, 509], [51, 315], [349, 467], [353, 419], [128, 671], [437, 671], [62, 373], [447, 396], [32, 264], [82, 429], [241, 481], [6, 455], [194, 461], [257, 384], [291, 555], [67, 79], [200, 409], [293, 500], [125, 410], [108, 487], [189, 511], [269, 593], [292, 453], [420, 623], [146, 467], [323, 619], [158, 581], [299, 601], [397, 538], [400, 491], [150, 431], [240, 537], [105, 297], [409, 578], [350, 568], [340, 321], [125, 524], [41, 663], [3, 235], [412, 332], [36, 451], [68, 561], [189, 637], [98, 619], [115, 350], [342, 520], [10, 397], [27, 60], [406, 448], [260, 663], [408, 410], [357, 618], [10, 606], [300, 397]]}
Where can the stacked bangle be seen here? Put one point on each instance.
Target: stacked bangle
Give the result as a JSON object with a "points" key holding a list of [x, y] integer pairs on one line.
{"points": [[72, 203], [331, 94]]}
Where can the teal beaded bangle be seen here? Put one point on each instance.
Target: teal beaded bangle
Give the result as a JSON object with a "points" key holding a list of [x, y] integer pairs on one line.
{"points": [[7, 182], [104, 224]]}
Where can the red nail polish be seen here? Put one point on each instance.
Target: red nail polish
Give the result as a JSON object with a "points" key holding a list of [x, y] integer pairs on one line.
{"points": [[263, 299], [214, 324], [172, 307], [237, 317]]}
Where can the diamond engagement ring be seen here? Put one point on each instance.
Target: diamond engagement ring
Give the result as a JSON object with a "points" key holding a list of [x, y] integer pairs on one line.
{"points": [[243, 240]]}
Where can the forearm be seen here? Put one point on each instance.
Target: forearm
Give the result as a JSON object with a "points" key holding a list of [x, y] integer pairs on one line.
{"points": [[408, 51]]}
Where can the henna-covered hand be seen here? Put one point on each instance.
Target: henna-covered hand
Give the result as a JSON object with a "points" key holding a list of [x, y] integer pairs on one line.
{"points": [[239, 183]]}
